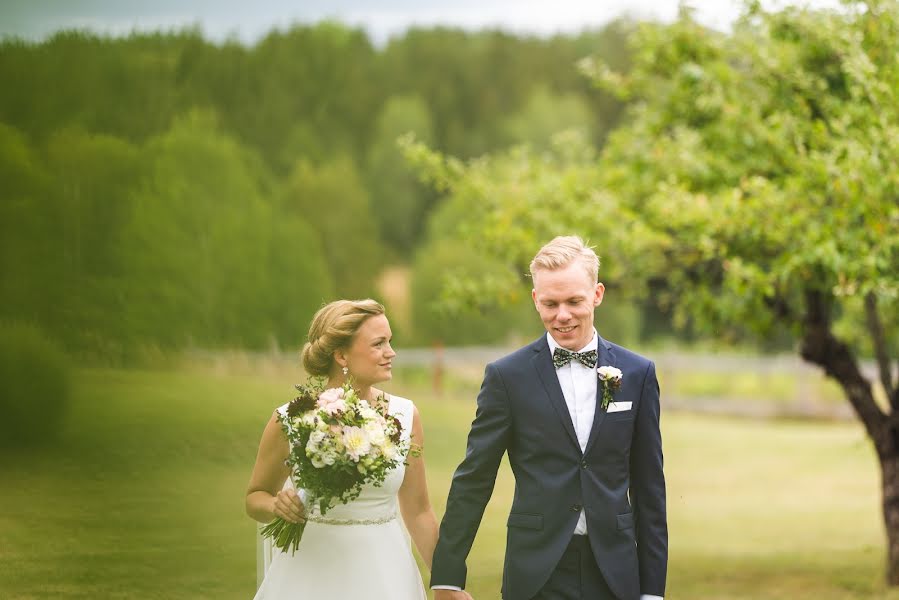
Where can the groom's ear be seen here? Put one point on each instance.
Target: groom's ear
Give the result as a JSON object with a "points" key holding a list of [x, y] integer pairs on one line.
{"points": [[600, 292]]}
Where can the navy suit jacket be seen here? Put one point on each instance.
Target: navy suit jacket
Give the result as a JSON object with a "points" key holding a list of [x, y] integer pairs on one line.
{"points": [[617, 480]]}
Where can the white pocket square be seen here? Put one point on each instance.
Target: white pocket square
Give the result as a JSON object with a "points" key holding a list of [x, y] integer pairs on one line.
{"points": [[619, 406]]}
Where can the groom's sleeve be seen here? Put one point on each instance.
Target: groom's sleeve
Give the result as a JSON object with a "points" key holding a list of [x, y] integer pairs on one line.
{"points": [[473, 482], [648, 490]]}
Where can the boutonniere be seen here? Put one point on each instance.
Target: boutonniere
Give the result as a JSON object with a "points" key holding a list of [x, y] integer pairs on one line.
{"points": [[610, 380]]}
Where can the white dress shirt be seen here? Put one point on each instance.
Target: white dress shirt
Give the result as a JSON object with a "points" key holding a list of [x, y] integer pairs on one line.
{"points": [[578, 383]]}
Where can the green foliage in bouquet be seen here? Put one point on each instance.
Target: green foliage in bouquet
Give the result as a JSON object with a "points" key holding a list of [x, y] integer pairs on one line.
{"points": [[339, 442]]}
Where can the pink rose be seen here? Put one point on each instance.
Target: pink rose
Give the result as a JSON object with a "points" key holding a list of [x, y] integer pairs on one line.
{"points": [[331, 401]]}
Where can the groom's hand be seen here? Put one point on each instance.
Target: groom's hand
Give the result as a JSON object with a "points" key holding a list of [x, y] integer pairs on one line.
{"points": [[452, 595]]}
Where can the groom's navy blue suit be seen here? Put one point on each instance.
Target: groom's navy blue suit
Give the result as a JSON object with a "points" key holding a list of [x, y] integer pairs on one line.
{"points": [[617, 480]]}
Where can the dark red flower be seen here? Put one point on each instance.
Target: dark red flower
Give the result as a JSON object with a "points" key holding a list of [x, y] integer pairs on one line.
{"points": [[397, 431]]}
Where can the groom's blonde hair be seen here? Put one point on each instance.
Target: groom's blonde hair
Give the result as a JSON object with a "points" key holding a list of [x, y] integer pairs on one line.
{"points": [[562, 251]]}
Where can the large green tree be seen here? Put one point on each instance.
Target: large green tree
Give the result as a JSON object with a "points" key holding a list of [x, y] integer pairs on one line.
{"points": [[334, 201], [208, 261], [753, 189], [399, 201], [89, 203], [766, 164], [28, 266]]}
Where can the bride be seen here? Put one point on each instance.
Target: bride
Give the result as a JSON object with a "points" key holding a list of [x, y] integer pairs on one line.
{"points": [[357, 550]]}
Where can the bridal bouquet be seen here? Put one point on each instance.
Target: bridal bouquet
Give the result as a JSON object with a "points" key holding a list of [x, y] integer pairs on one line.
{"points": [[338, 443]]}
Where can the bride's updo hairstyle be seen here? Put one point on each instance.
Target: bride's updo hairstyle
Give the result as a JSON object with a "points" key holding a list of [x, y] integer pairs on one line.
{"points": [[333, 328]]}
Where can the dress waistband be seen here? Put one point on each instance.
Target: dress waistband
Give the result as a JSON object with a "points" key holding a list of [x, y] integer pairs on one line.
{"points": [[330, 521]]}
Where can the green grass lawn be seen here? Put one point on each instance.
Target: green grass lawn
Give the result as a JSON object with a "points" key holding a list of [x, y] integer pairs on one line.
{"points": [[143, 497]]}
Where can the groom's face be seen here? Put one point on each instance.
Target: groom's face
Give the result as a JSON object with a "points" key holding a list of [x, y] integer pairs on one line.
{"points": [[566, 299]]}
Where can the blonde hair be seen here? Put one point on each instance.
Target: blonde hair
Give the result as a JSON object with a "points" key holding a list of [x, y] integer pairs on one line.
{"points": [[333, 328], [562, 251]]}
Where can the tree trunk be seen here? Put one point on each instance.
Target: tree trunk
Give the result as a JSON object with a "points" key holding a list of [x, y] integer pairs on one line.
{"points": [[884, 433], [821, 347], [890, 470]]}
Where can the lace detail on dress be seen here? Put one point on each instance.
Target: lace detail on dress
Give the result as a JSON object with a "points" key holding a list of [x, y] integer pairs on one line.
{"points": [[327, 521]]}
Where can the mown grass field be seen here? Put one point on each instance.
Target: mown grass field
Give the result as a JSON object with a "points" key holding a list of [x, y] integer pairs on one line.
{"points": [[143, 496]]}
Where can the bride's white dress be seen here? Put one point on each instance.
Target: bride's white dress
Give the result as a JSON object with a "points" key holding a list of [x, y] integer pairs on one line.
{"points": [[356, 550]]}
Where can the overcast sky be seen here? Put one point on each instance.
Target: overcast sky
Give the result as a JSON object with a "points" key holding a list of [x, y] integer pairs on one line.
{"points": [[250, 19]]}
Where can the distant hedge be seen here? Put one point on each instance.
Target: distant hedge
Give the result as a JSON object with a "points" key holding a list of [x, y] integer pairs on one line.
{"points": [[36, 384]]}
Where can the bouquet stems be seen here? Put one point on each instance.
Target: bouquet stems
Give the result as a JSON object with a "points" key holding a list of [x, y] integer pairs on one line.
{"points": [[285, 534]]}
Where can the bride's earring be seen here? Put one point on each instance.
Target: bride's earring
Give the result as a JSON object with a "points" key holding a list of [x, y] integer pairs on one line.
{"points": [[346, 370]]}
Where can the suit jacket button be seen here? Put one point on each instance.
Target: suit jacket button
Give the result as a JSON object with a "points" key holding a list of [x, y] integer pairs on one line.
{"points": [[583, 464], [576, 508]]}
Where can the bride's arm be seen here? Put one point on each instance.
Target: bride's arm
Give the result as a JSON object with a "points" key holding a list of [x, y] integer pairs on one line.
{"points": [[414, 501], [265, 497]]}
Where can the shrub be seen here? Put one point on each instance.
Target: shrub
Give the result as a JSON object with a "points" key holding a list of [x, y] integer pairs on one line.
{"points": [[489, 324], [36, 386]]}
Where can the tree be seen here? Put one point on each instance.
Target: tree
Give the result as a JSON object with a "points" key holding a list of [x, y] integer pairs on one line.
{"points": [[206, 255], [765, 163], [29, 256], [89, 202], [474, 268], [311, 92], [333, 200], [433, 322], [546, 114], [754, 188], [399, 201]]}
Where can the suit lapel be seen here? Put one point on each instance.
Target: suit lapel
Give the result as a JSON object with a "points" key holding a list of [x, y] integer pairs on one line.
{"points": [[543, 364], [604, 357]]}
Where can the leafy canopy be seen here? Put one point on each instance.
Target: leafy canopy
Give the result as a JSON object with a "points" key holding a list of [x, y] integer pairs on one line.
{"points": [[754, 169]]}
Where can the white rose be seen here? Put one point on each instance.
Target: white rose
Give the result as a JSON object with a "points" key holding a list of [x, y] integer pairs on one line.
{"points": [[389, 450], [375, 433], [312, 448], [609, 373], [368, 413], [329, 457]]}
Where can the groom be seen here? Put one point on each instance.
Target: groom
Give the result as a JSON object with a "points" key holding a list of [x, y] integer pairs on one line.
{"points": [[588, 517]]}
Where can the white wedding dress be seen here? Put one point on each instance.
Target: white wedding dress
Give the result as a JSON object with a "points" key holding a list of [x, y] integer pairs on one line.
{"points": [[356, 550]]}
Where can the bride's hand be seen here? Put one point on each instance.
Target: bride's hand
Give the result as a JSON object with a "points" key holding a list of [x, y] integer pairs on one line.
{"points": [[288, 506]]}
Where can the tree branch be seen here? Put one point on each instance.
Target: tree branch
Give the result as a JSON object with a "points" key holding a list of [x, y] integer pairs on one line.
{"points": [[780, 307], [821, 347], [875, 328]]}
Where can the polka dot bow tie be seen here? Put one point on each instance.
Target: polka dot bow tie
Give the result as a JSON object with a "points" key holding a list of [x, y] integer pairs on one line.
{"points": [[562, 357]]}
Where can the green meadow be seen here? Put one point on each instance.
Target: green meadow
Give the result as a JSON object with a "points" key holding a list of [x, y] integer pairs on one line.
{"points": [[142, 497]]}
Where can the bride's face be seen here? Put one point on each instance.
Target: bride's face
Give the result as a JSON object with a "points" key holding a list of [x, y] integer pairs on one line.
{"points": [[370, 357]]}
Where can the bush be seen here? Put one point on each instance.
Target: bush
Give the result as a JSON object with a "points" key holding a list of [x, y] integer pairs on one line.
{"points": [[509, 324], [36, 386]]}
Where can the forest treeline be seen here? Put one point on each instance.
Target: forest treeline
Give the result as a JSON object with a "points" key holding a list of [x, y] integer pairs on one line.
{"points": [[160, 190]]}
